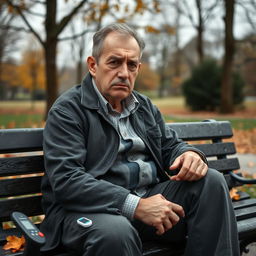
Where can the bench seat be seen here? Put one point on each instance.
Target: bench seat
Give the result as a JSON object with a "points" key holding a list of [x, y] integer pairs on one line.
{"points": [[22, 166]]}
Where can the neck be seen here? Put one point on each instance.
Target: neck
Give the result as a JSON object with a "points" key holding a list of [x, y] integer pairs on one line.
{"points": [[117, 106]]}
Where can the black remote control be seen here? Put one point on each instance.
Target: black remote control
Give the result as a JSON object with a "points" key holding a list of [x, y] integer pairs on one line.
{"points": [[30, 229]]}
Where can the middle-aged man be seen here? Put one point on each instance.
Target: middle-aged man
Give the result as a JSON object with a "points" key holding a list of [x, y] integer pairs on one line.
{"points": [[107, 158]]}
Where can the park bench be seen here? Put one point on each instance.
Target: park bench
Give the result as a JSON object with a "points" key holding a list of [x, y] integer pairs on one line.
{"points": [[22, 166]]}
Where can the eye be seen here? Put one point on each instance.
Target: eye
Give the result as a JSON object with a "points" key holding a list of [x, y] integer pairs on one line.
{"points": [[132, 65], [113, 63]]}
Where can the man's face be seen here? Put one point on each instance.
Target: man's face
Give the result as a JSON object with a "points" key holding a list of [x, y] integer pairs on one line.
{"points": [[117, 68]]}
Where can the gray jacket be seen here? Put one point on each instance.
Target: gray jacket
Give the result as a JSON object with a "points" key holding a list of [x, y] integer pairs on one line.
{"points": [[80, 145]]}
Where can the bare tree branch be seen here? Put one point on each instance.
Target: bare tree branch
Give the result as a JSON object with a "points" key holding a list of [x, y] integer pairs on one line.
{"points": [[247, 13], [17, 8], [35, 13], [189, 13], [62, 24], [11, 27], [77, 35], [39, 2]]}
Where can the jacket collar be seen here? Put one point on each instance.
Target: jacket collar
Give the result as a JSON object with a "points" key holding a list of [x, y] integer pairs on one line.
{"points": [[89, 98]]}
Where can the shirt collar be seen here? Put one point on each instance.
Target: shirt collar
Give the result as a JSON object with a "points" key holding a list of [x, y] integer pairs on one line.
{"points": [[130, 103]]}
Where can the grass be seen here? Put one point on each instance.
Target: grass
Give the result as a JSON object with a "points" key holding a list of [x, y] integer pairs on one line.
{"points": [[20, 120], [26, 114], [21, 114], [243, 121]]}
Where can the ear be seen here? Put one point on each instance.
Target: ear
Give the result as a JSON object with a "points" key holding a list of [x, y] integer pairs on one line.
{"points": [[92, 65], [139, 66]]}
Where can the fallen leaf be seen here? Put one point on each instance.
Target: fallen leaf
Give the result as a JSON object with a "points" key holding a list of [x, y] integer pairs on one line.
{"points": [[14, 243], [251, 164], [234, 194]]}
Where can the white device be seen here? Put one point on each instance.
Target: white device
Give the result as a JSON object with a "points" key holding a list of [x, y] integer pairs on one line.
{"points": [[84, 222]]}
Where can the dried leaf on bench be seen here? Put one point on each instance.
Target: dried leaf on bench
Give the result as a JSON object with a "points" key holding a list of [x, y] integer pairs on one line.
{"points": [[14, 243], [234, 194]]}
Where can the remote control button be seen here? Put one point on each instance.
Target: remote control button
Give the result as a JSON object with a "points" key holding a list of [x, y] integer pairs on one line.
{"points": [[41, 234]]}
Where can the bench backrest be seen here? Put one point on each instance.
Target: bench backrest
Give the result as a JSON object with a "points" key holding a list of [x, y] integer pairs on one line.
{"points": [[21, 161]]}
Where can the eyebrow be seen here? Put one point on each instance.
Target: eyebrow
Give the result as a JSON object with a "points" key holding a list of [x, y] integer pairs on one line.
{"points": [[134, 59]]}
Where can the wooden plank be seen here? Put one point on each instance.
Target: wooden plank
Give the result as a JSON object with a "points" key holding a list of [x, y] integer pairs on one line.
{"points": [[245, 213], [244, 203], [30, 206], [20, 186], [243, 195], [202, 130], [21, 140], [217, 149], [247, 228], [224, 165], [21, 165]]}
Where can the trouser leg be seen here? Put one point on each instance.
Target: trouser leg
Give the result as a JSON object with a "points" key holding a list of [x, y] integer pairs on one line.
{"points": [[109, 234], [209, 222]]}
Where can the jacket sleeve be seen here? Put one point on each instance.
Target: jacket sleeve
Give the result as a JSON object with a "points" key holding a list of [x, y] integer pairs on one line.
{"points": [[65, 154], [172, 146]]}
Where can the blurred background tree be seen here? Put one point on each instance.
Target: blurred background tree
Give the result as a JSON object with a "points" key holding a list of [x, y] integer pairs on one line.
{"points": [[219, 29], [203, 90]]}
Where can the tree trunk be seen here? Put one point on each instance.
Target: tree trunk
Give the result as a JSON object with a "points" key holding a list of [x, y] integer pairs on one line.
{"points": [[200, 31], [162, 72], [227, 105], [50, 47], [51, 74]]}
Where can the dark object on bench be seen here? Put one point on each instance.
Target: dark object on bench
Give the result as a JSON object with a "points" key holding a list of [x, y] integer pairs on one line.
{"points": [[21, 192]]}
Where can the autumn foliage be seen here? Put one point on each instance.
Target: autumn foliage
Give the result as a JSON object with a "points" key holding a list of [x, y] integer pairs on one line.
{"points": [[14, 243]]}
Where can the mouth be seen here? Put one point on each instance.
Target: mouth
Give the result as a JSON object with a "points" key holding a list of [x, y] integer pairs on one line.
{"points": [[121, 86]]}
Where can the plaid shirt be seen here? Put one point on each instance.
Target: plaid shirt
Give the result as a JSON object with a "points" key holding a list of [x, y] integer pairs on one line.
{"points": [[133, 167]]}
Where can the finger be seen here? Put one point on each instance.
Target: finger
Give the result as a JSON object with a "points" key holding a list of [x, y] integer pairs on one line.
{"points": [[195, 170], [160, 229], [178, 209], [185, 168], [199, 172], [168, 224], [174, 218], [175, 164]]}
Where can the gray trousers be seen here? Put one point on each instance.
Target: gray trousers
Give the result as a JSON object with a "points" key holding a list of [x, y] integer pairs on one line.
{"points": [[209, 224]]}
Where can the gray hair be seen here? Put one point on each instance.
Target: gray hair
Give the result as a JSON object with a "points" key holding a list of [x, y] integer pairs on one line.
{"points": [[122, 28]]}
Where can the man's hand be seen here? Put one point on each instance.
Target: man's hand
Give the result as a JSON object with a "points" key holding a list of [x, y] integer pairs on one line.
{"points": [[158, 212], [191, 166]]}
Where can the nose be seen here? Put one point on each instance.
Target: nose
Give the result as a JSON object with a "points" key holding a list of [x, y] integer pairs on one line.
{"points": [[123, 71]]}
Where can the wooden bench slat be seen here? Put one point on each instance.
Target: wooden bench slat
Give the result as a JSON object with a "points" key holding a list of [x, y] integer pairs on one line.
{"points": [[21, 186], [202, 130], [217, 149], [21, 165], [25, 140], [224, 165], [30, 206], [244, 203], [243, 195], [246, 228], [245, 213]]}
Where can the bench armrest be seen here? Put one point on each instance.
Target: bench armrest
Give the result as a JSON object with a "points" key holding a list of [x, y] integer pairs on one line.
{"points": [[242, 179]]}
